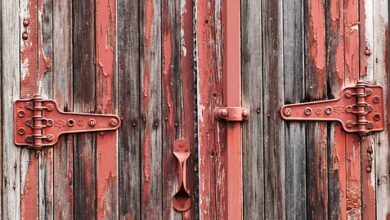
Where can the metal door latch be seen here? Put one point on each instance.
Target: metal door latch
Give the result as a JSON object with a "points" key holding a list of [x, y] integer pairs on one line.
{"points": [[39, 123], [182, 200], [231, 114], [359, 109]]}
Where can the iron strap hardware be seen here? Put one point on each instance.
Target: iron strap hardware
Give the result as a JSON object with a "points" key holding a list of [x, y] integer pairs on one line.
{"points": [[359, 109], [181, 200], [39, 123], [231, 114]]}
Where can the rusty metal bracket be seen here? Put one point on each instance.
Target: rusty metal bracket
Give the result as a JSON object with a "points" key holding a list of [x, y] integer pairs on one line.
{"points": [[231, 114], [182, 200], [39, 123], [359, 109]]}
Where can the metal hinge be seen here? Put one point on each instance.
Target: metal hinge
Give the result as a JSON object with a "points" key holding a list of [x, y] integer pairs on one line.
{"points": [[359, 109], [231, 114], [39, 123]]}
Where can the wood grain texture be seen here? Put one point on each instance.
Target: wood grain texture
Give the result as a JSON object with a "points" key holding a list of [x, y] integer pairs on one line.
{"points": [[252, 98], [45, 57], [129, 93], [381, 71], [106, 85], [317, 173], [151, 100], [209, 95], [63, 94], [84, 101], [294, 83], [274, 134], [336, 154], [11, 36], [178, 104]]}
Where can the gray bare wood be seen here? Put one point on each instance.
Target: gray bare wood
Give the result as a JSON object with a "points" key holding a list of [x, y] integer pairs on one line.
{"points": [[274, 134], [151, 101], [10, 92], [84, 101], [129, 93], [294, 84], [252, 98], [63, 93]]}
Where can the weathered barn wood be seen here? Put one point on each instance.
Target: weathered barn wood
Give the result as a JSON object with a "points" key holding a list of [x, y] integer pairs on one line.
{"points": [[163, 67]]}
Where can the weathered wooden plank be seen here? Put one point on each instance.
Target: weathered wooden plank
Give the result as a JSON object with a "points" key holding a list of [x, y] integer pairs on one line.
{"points": [[31, 84], [369, 143], [382, 77], [151, 141], [252, 98], [178, 103], [84, 101], [209, 95], [294, 84], [352, 66], [45, 55], [336, 154], [11, 36], [274, 134], [63, 94], [129, 109], [317, 181], [106, 150]]}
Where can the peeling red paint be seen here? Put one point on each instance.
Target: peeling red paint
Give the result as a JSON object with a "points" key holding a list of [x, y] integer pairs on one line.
{"points": [[106, 144]]}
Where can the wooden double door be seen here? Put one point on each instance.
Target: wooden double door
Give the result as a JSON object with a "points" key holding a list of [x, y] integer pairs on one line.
{"points": [[164, 67]]}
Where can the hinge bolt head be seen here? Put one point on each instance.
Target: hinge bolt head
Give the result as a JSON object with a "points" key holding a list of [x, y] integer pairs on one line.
{"points": [[370, 125], [287, 112], [377, 117], [367, 52], [350, 124], [50, 137], [376, 99], [50, 107], [21, 131], [92, 122], [29, 139], [368, 169], [348, 94], [328, 110], [21, 114], [224, 113], [113, 122], [25, 35], [49, 123], [245, 114], [308, 111], [26, 22]]}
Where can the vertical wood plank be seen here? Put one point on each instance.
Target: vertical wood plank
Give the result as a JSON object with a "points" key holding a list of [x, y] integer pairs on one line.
{"points": [[63, 94], [252, 98], [129, 109], [369, 143], [352, 67], [381, 70], [84, 101], [178, 103], [45, 55], [274, 135], [294, 83], [31, 84], [151, 139], [209, 95], [336, 154], [317, 182], [106, 150], [11, 37]]}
